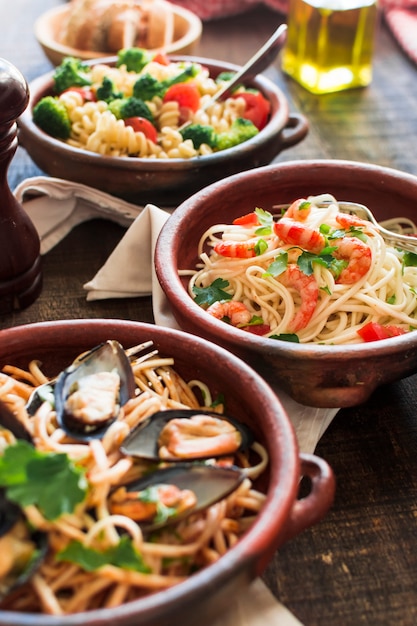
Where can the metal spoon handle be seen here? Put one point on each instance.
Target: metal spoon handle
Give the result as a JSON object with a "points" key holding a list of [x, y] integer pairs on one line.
{"points": [[257, 63]]}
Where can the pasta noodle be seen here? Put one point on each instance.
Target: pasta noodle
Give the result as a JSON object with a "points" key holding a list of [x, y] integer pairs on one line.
{"points": [[316, 275], [171, 554]]}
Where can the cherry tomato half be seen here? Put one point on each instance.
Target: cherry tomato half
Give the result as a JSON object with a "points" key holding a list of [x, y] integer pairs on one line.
{"points": [[374, 331], [257, 329], [186, 94], [161, 58], [250, 219], [257, 107], [87, 93], [142, 125]]}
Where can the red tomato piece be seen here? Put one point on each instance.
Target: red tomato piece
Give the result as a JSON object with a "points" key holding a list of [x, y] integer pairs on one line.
{"points": [[250, 219], [186, 94], [257, 329], [374, 331], [87, 93], [257, 107], [142, 125], [161, 58]]}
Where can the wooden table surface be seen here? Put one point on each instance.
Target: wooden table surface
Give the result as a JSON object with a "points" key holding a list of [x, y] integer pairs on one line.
{"points": [[359, 565]]}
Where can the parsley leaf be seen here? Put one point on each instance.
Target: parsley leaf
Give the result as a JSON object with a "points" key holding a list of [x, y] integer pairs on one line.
{"points": [[410, 259], [26, 473], [205, 296], [261, 246], [292, 337], [122, 555], [278, 265], [266, 220]]}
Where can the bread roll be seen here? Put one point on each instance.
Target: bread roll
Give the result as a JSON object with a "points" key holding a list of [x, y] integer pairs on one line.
{"points": [[110, 25]]}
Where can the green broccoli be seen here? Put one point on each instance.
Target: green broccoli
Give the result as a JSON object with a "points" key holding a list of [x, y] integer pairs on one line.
{"points": [[199, 134], [135, 59], [107, 91], [71, 73], [123, 108], [146, 87], [241, 130], [52, 117]]}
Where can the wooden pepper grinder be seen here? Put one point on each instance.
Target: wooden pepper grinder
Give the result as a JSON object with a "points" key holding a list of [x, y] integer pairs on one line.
{"points": [[20, 261]]}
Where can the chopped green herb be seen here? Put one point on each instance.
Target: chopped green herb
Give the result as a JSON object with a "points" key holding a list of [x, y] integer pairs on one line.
{"points": [[205, 296], [122, 555], [261, 246], [410, 259], [26, 472], [286, 337], [278, 265], [266, 220]]}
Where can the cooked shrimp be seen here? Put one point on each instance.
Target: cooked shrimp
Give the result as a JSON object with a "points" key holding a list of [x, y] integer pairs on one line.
{"points": [[292, 232], [358, 255], [308, 289], [237, 249], [347, 220], [299, 210], [236, 311]]}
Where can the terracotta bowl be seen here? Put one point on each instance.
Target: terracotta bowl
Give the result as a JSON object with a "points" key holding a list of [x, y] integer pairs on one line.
{"points": [[208, 592], [187, 33], [314, 375], [163, 181]]}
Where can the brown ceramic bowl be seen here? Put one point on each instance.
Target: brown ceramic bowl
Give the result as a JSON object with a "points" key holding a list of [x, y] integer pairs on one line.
{"points": [[314, 375], [208, 592], [162, 181], [187, 33]]}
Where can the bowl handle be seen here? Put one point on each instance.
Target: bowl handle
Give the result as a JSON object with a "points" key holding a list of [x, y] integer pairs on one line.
{"points": [[294, 130], [312, 508]]}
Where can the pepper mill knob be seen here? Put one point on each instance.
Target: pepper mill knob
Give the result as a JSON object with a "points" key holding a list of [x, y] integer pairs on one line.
{"points": [[20, 261]]}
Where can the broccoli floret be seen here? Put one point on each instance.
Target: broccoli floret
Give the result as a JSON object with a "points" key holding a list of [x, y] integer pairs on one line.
{"points": [[135, 59], [130, 107], [71, 73], [240, 130], [107, 91], [224, 77], [146, 87], [52, 117], [199, 134]]}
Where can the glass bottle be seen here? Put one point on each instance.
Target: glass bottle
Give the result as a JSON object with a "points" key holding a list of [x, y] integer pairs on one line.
{"points": [[330, 43]]}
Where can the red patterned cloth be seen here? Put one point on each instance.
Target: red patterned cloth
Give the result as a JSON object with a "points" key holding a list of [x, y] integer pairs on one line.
{"points": [[401, 17], [211, 9]]}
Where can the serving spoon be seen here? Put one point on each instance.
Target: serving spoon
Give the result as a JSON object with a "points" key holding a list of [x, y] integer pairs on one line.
{"points": [[256, 64], [406, 242]]}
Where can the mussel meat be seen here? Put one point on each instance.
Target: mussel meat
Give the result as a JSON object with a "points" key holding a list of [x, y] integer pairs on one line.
{"points": [[187, 434], [169, 495], [89, 393]]}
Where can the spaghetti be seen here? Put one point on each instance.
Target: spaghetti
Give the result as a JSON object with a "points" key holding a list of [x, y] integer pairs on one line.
{"points": [[316, 275], [170, 554]]}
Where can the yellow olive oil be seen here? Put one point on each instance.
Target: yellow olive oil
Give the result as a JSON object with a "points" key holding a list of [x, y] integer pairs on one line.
{"points": [[330, 43]]}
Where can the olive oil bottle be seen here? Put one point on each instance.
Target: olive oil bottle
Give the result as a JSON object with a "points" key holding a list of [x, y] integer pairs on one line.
{"points": [[330, 43]]}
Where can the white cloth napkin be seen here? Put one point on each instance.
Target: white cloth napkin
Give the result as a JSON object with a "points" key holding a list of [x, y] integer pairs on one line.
{"points": [[55, 207]]}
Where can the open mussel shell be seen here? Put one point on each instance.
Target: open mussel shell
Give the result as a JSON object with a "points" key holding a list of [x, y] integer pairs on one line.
{"points": [[143, 442], [22, 551], [210, 484], [107, 357]]}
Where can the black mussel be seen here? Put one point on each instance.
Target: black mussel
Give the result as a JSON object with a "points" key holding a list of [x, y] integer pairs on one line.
{"points": [[187, 434], [168, 495], [22, 550], [9, 422], [89, 393]]}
